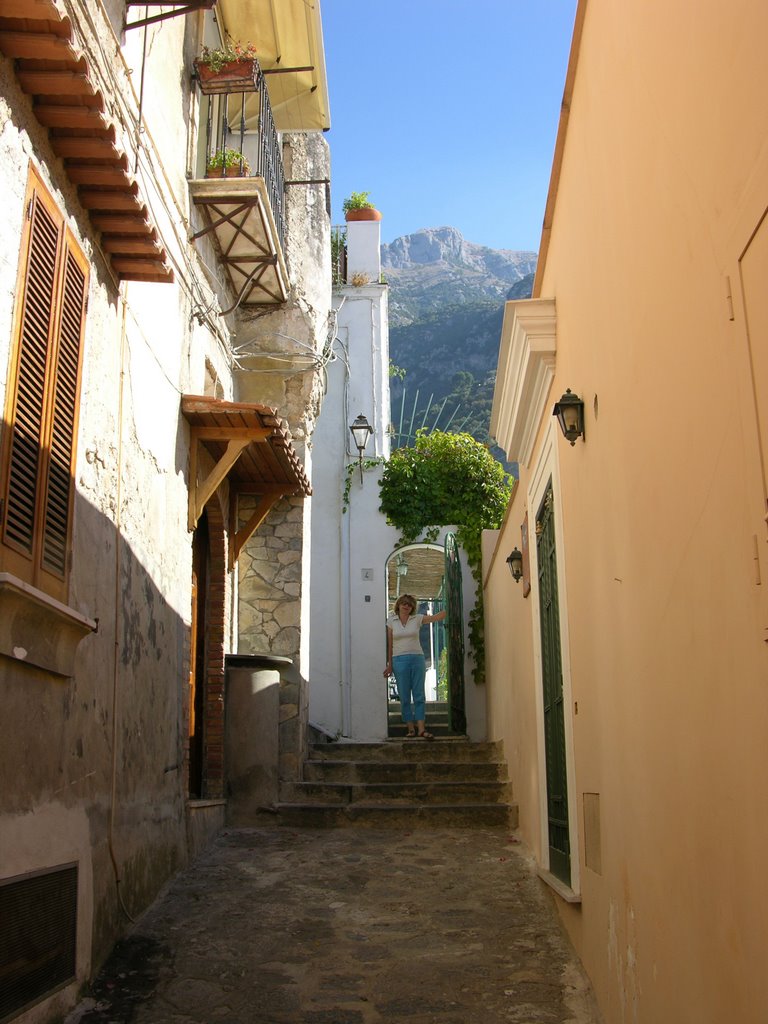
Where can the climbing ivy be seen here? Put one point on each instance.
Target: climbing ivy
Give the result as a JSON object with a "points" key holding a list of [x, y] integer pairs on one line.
{"points": [[447, 479], [352, 468]]}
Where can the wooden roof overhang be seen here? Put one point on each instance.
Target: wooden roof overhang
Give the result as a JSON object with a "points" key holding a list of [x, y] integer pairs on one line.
{"points": [[52, 69], [237, 214], [251, 448]]}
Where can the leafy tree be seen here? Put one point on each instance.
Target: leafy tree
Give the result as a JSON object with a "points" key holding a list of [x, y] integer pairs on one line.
{"points": [[447, 479]]}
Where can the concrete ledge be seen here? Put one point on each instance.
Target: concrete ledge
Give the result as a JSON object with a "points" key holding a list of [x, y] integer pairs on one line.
{"points": [[563, 891], [37, 629]]}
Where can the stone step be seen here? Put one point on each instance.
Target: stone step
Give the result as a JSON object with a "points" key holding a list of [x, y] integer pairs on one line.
{"points": [[404, 771], [370, 794], [454, 748], [398, 729], [398, 816]]}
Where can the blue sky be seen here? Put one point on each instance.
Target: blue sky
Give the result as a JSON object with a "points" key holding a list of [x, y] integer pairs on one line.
{"points": [[446, 111]]}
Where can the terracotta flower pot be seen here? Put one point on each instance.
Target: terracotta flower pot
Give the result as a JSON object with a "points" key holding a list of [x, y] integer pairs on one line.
{"points": [[366, 214], [237, 76], [226, 172]]}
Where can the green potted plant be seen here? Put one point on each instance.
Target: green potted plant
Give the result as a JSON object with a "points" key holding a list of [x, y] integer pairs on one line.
{"points": [[358, 207], [227, 163], [231, 67]]}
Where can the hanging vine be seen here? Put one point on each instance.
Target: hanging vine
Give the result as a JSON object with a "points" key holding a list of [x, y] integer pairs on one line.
{"points": [[448, 479]]}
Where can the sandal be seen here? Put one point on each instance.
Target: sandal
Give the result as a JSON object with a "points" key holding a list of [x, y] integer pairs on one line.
{"points": [[424, 735], [411, 735]]}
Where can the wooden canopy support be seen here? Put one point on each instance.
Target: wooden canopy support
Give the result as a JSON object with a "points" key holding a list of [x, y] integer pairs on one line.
{"points": [[250, 447], [237, 438], [264, 504]]}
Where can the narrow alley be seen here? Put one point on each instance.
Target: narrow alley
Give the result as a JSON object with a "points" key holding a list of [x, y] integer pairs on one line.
{"points": [[347, 926]]}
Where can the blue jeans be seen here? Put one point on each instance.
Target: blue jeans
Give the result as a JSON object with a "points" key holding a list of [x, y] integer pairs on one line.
{"points": [[410, 671]]}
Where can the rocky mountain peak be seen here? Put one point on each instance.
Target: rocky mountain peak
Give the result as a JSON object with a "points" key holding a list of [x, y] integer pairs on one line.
{"points": [[437, 267], [447, 245]]}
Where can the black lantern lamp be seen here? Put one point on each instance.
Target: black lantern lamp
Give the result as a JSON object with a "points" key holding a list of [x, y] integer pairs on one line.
{"points": [[515, 563], [361, 431], [570, 415]]}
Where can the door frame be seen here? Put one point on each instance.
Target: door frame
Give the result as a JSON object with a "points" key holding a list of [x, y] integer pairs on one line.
{"points": [[547, 467]]}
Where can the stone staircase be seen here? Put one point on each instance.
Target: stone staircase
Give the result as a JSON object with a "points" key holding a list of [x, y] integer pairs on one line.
{"points": [[445, 783]]}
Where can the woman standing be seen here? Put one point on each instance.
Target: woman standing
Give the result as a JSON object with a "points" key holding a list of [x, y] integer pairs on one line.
{"points": [[406, 659]]}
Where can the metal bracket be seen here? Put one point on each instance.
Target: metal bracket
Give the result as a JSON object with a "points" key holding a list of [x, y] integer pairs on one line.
{"points": [[181, 7]]}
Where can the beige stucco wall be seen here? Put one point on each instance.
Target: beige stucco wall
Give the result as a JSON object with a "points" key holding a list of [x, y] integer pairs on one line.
{"points": [[98, 756], [662, 536]]}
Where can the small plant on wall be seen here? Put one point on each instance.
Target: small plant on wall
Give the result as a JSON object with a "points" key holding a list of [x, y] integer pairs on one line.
{"points": [[358, 206], [229, 163]]}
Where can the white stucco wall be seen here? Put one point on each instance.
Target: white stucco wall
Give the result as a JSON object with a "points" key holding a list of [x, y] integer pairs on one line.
{"points": [[348, 605]]}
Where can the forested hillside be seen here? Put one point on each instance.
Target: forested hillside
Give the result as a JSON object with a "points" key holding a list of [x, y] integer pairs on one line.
{"points": [[446, 308]]}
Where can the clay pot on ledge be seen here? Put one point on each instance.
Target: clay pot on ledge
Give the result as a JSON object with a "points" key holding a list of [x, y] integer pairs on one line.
{"points": [[365, 214]]}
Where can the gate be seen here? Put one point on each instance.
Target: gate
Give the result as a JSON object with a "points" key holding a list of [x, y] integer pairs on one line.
{"points": [[455, 631]]}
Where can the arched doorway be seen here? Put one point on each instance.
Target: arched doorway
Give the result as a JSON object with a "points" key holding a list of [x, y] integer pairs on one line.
{"points": [[420, 570]]}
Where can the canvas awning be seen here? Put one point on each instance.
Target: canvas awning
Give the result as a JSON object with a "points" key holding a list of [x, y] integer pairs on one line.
{"points": [[288, 38], [251, 447]]}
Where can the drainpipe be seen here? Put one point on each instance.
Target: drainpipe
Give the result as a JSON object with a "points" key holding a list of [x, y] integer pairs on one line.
{"points": [[346, 632], [116, 625]]}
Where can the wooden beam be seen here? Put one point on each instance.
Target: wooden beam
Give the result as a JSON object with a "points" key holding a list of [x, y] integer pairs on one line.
{"points": [[282, 490], [233, 433], [200, 493], [34, 10], [241, 537]]}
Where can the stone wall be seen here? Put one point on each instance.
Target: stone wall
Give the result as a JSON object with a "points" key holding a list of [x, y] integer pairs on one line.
{"points": [[280, 363]]}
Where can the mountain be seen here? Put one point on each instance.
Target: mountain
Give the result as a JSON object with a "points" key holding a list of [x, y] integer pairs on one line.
{"points": [[446, 303], [436, 267]]}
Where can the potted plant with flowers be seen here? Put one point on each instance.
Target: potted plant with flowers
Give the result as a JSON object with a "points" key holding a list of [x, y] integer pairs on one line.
{"points": [[231, 67], [358, 207], [227, 163]]}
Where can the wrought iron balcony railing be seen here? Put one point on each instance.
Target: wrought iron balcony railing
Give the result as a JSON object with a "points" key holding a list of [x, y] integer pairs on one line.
{"points": [[241, 140]]}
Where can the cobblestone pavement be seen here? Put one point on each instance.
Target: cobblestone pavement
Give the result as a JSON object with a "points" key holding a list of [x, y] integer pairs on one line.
{"points": [[347, 926]]}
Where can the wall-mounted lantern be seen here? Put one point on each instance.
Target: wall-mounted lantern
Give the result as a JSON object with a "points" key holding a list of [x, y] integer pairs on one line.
{"points": [[570, 415], [361, 431], [515, 563]]}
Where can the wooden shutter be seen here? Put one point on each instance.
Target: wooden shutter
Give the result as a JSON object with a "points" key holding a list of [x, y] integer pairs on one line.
{"points": [[44, 386]]}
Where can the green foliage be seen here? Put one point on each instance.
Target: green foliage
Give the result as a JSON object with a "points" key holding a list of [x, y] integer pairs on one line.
{"points": [[229, 53], [448, 479], [357, 201], [352, 468], [338, 254], [396, 371], [229, 158]]}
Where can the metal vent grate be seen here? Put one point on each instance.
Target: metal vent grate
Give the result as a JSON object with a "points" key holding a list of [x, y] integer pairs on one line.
{"points": [[38, 933]]}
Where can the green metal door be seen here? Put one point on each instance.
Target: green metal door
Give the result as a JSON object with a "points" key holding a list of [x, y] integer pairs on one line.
{"points": [[552, 676], [455, 636]]}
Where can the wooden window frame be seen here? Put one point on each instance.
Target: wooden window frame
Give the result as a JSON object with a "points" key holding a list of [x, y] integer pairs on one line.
{"points": [[44, 395]]}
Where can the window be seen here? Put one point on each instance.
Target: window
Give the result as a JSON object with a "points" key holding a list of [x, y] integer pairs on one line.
{"points": [[38, 450]]}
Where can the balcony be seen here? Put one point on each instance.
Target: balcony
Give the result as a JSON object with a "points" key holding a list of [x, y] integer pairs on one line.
{"points": [[242, 193]]}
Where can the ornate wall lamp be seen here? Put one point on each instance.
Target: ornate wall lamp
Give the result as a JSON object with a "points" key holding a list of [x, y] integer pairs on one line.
{"points": [[361, 431], [515, 563], [570, 415]]}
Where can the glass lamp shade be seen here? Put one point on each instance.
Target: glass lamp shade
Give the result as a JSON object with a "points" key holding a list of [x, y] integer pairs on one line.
{"points": [[361, 431], [515, 563], [570, 415]]}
